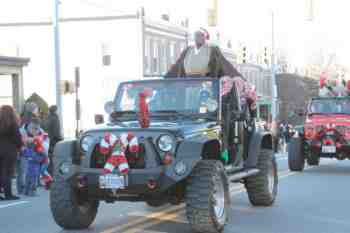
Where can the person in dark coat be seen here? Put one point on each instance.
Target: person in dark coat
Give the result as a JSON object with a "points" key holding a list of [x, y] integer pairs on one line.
{"points": [[10, 145], [206, 60], [202, 60], [54, 132]]}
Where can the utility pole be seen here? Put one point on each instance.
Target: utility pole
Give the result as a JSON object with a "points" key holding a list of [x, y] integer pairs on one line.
{"points": [[273, 70], [57, 60]]}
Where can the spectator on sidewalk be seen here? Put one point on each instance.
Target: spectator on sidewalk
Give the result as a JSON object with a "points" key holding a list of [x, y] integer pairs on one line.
{"points": [[36, 154], [10, 145], [54, 131], [30, 112]]}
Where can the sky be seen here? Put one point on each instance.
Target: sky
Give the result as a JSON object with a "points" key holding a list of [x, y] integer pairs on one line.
{"points": [[246, 22]]}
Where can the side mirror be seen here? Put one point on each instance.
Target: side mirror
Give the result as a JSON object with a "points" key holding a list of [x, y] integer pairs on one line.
{"points": [[109, 107], [99, 119]]}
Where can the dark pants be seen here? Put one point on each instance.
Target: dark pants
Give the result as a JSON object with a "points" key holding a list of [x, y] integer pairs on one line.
{"points": [[31, 184], [22, 166], [7, 163]]}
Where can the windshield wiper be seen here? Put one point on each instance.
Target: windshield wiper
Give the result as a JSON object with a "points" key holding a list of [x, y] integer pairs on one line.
{"points": [[166, 113], [118, 116]]}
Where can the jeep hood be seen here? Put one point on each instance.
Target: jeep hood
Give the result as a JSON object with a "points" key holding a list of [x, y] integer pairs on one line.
{"points": [[177, 128]]}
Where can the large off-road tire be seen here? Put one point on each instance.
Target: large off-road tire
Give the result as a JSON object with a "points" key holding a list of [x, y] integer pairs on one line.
{"points": [[296, 160], [207, 197], [262, 188], [69, 210]]}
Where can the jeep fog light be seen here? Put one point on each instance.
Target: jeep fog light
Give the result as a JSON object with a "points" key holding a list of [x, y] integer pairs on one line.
{"points": [[65, 168], [180, 168]]}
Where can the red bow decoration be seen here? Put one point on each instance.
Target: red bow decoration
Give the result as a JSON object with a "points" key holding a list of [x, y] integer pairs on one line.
{"points": [[144, 111], [38, 144]]}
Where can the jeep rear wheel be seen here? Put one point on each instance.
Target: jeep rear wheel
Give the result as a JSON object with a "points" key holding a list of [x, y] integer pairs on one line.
{"points": [[207, 197], [69, 209], [296, 160], [262, 188]]}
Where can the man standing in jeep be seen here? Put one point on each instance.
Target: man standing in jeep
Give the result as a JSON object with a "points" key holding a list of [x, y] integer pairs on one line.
{"points": [[206, 60], [202, 60]]}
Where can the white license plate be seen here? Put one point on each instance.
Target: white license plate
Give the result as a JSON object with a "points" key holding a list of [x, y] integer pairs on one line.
{"points": [[328, 149], [112, 181]]}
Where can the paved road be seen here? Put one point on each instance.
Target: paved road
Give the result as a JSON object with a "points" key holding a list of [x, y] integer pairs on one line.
{"points": [[313, 201]]}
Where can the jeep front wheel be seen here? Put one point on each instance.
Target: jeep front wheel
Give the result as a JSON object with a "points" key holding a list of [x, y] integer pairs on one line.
{"points": [[207, 197], [296, 160], [262, 188], [69, 209]]}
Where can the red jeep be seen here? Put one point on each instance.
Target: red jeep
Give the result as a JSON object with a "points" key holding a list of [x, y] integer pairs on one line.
{"points": [[326, 133]]}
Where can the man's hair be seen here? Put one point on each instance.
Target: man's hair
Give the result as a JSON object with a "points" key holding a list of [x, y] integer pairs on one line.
{"points": [[8, 118]]}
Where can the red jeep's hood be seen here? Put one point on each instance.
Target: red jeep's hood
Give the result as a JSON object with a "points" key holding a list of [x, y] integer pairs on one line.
{"points": [[338, 119]]}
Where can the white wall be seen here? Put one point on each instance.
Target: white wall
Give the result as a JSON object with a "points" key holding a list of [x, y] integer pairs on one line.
{"points": [[81, 45]]}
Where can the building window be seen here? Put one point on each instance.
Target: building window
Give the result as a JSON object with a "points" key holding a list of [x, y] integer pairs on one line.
{"points": [[155, 57], [106, 60], [163, 56], [106, 54], [147, 58]]}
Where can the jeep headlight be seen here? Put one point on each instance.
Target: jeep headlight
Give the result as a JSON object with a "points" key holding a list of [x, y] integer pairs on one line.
{"points": [[86, 142], [165, 143]]}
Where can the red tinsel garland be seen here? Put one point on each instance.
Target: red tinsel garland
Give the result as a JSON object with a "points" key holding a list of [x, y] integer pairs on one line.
{"points": [[144, 112]]}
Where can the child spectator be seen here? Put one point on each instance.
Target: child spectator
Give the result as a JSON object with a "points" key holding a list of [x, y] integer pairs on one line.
{"points": [[36, 154]]}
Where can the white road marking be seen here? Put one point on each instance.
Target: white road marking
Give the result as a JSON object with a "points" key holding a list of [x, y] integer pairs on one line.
{"points": [[13, 204]]}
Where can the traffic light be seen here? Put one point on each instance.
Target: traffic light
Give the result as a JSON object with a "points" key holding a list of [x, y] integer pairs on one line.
{"points": [[266, 61], [212, 18], [67, 87], [244, 54]]}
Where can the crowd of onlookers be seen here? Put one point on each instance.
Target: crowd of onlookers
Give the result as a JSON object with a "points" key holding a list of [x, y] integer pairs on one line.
{"points": [[26, 149]]}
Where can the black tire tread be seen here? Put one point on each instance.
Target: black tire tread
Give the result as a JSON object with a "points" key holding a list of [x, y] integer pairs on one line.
{"points": [[198, 195], [296, 160], [64, 207], [257, 186]]}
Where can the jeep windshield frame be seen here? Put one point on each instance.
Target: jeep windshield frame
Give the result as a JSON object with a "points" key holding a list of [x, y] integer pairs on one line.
{"points": [[180, 103], [329, 105]]}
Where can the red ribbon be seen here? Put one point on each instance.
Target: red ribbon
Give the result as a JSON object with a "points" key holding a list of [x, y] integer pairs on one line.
{"points": [[144, 112]]}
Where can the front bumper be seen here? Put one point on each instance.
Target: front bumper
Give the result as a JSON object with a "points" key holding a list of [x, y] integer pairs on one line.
{"points": [[137, 181], [315, 148]]}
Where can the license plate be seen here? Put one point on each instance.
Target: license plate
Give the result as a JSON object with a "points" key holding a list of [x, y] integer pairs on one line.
{"points": [[328, 149], [112, 181]]}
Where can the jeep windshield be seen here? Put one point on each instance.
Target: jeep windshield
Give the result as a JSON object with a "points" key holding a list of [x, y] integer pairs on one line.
{"points": [[330, 106], [188, 98]]}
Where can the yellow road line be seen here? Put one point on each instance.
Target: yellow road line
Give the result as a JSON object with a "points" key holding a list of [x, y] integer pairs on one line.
{"points": [[156, 221], [143, 220]]}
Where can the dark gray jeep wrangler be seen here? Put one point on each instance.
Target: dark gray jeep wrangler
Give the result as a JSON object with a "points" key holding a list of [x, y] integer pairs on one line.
{"points": [[197, 144]]}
